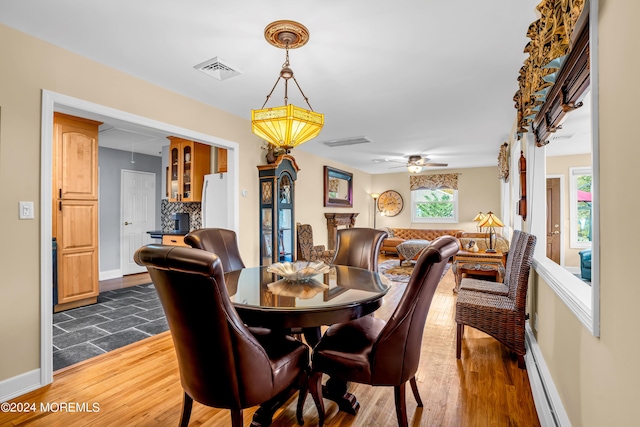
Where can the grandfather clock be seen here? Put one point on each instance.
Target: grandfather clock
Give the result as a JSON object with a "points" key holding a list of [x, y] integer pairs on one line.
{"points": [[277, 213]]}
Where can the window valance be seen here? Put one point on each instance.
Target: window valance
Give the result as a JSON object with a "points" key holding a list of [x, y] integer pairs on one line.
{"points": [[432, 182]]}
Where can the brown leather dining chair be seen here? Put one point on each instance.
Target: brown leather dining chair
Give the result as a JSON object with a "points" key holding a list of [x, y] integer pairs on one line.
{"points": [[221, 242], [359, 247], [370, 351], [222, 363]]}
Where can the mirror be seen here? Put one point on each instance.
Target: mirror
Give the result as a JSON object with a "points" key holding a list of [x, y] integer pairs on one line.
{"points": [[338, 188]]}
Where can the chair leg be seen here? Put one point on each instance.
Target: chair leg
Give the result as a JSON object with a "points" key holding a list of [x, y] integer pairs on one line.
{"points": [[416, 394], [401, 407], [315, 386], [187, 404], [303, 389], [236, 418], [459, 334]]}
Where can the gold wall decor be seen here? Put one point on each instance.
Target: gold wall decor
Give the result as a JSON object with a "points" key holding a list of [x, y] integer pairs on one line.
{"points": [[503, 162], [551, 41]]}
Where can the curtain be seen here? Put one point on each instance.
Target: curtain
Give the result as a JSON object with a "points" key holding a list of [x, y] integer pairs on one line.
{"points": [[432, 182]]}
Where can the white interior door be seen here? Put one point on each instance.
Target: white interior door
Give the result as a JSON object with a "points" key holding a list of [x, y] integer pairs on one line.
{"points": [[138, 216]]}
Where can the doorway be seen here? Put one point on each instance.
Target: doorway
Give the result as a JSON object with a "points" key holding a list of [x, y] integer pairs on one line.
{"points": [[138, 203], [554, 230], [51, 102]]}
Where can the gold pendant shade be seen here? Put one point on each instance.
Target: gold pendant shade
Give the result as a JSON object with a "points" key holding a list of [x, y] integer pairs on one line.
{"points": [[286, 126]]}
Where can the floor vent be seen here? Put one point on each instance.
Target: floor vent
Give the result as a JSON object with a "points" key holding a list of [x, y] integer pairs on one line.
{"points": [[217, 67], [347, 141]]}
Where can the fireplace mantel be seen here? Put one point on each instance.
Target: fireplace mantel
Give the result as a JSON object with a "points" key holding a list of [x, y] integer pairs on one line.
{"points": [[335, 220]]}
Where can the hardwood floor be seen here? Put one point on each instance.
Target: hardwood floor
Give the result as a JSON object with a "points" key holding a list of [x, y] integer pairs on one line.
{"points": [[139, 385], [125, 282]]}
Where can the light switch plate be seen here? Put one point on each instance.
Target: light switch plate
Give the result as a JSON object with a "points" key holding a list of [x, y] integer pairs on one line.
{"points": [[26, 210]]}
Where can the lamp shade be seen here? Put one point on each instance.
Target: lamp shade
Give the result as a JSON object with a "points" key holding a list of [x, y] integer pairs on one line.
{"points": [[286, 126], [478, 217], [491, 221], [414, 168]]}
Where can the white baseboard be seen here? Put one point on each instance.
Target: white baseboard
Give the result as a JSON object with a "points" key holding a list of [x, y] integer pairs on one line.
{"points": [[545, 395], [111, 274], [19, 385]]}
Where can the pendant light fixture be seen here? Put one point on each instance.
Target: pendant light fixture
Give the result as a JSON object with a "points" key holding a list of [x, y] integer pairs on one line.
{"points": [[287, 126]]}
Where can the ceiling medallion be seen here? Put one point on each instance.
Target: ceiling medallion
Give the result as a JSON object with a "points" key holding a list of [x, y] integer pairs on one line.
{"points": [[286, 34]]}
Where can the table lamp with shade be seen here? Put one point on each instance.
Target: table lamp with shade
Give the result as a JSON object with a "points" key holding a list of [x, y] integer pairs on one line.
{"points": [[491, 221], [478, 218]]}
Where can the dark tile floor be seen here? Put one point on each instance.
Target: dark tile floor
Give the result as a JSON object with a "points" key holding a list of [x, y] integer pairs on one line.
{"points": [[121, 317]]}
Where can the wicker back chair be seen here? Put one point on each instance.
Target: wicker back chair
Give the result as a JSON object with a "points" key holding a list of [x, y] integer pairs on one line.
{"points": [[501, 316], [514, 258]]}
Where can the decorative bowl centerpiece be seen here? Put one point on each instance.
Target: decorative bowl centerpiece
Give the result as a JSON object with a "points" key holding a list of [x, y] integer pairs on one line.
{"points": [[298, 271]]}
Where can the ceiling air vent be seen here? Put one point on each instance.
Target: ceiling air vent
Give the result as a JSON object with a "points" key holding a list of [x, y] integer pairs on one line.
{"points": [[347, 141], [218, 68], [561, 137]]}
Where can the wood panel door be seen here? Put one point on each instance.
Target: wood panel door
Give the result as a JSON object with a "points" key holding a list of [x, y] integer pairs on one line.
{"points": [[75, 209], [554, 237], [77, 152], [77, 250]]}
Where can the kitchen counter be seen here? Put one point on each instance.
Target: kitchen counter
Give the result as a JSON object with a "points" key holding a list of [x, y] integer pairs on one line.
{"points": [[157, 234]]}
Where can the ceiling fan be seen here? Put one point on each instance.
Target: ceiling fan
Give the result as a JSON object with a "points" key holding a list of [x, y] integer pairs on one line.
{"points": [[416, 163]]}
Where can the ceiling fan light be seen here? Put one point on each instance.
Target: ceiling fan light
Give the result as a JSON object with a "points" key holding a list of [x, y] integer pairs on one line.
{"points": [[414, 168]]}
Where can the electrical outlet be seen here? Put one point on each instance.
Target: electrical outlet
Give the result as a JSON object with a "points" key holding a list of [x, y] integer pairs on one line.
{"points": [[26, 210]]}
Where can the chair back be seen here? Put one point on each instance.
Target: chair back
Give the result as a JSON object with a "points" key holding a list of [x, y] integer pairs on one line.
{"points": [[359, 247], [221, 363], [518, 271], [221, 242], [396, 353], [305, 241]]}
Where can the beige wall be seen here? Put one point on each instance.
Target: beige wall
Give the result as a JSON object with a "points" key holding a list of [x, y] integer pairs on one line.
{"points": [[31, 65], [597, 377], [559, 165], [478, 190]]}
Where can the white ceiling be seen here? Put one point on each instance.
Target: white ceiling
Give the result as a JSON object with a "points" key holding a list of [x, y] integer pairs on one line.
{"points": [[415, 77]]}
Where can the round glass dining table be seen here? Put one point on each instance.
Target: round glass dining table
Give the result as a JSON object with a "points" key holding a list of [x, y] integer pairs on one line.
{"points": [[344, 293]]}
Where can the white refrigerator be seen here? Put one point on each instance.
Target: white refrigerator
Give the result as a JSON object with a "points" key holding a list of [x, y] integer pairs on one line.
{"points": [[215, 202]]}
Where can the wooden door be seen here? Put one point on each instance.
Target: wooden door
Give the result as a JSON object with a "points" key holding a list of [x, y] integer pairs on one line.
{"points": [[77, 250], [138, 216], [75, 209], [77, 150], [554, 237]]}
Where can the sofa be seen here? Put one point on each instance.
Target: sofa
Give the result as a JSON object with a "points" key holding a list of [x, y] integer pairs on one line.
{"points": [[399, 235]]}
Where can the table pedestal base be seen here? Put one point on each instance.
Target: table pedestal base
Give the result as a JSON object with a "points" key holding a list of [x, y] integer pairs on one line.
{"points": [[336, 390]]}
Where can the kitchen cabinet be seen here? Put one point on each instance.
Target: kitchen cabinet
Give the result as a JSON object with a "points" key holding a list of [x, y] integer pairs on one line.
{"points": [[221, 159], [75, 210], [277, 214], [174, 240], [189, 162]]}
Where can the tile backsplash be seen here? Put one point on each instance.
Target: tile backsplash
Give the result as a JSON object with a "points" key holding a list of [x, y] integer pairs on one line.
{"points": [[167, 208]]}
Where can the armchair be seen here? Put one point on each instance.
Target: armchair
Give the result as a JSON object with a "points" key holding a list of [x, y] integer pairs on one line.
{"points": [[307, 251], [585, 264]]}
